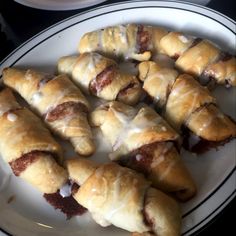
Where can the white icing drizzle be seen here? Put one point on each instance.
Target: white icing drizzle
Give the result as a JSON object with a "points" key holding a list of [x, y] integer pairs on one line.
{"points": [[100, 35], [123, 34], [130, 127], [65, 190], [28, 75], [163, 128], [183, 38], [61, 126], [167, 170], [119, 203], [132, 46], [178, 92], [36, 97], [161, 158], [138, 157], [11, 117], [88, 68]]}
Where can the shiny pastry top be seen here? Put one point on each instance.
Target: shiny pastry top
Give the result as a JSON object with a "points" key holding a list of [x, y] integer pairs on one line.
{"points": [[195, 56]]}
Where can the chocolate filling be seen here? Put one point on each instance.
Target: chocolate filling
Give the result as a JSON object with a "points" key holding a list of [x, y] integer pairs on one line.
{"points": [[143, 39], [20, 164], [224, 56], [209, 76], [102, 79], [67, 205], [141, 158], [201, 145], [195, 42], [74, 188], [65, 109], [125, 90]]}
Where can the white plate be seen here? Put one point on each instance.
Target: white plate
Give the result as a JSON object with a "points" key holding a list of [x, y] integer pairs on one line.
{"points": [[59, 5], [29, 214]]}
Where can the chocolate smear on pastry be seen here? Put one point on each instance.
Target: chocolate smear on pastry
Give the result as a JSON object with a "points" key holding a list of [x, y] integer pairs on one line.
{"points": [[196, 144], [143, 39], [68, 205], [20, 164], [102, 79], [65, 109]]}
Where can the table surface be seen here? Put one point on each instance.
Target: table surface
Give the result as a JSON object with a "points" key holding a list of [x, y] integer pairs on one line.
{"points": [[24, 22]]}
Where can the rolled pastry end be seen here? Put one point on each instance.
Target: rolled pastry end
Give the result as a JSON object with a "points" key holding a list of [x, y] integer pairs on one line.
{"points": [[80, 169], [83, 145], [169, 221], [130, 94], [66, 64], [211, 124]]}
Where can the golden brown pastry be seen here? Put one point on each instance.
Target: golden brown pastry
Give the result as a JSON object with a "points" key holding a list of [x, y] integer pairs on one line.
{"points": [[119, 196], [198, 57], [128, 41], [28, 147], [187, 104], [58, 101], [143, 141], [100, 76]]}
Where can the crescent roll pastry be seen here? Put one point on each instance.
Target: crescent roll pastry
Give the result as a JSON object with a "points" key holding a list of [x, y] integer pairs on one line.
{"points": [[58, 101], [28, 147], [187, 104], [119, 196], [100, 76], [198, 57], [143, 141], [128, 41]]}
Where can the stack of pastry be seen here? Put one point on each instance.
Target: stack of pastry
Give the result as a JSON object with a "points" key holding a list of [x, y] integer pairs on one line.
{"points": [[187, 105], [198, 57], [142, 140], [136, 190], [119, 196], [99, 76], [61, 104]]}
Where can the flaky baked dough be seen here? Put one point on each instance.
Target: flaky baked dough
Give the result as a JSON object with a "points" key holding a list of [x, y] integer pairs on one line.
{"points": [[44, 93], [186, 102], [119, 196], [135, 41], [21, 132], [85, 68], [129, 129]]}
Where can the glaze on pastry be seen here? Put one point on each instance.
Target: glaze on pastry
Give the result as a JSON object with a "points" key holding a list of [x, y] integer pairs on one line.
{"points": [[100, 76], [198, 57], [119, 196], [143, 141], [187, 104], [28, 147], [58, 101]]}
